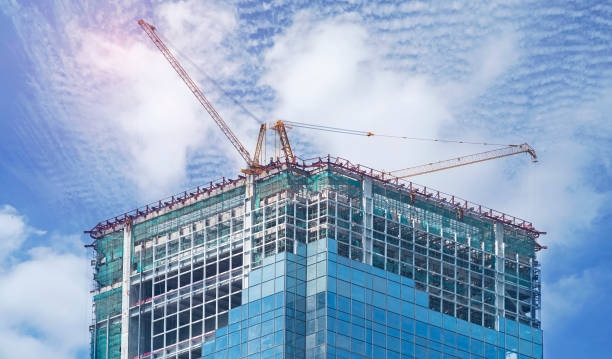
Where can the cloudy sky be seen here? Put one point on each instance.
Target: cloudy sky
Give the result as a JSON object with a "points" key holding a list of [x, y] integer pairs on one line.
{"points": [[94, 122]]}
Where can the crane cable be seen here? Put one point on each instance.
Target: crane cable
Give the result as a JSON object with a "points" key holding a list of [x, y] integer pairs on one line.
{"points": [[370, 134], [213, 81], [312, 126]]}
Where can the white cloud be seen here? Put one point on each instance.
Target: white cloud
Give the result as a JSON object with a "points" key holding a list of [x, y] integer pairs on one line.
{"points": [[329, 73], [155, 119], [45, 302], [567, 297], [124, 120], [13, 231], [488, 63]]}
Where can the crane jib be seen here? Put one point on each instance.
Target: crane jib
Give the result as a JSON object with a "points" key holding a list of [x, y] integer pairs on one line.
{"points": [[150, 31]]}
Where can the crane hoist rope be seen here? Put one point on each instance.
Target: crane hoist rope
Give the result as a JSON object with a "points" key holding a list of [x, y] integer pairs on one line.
{"points": [[370, 134], [280, 127], [253, 165]]}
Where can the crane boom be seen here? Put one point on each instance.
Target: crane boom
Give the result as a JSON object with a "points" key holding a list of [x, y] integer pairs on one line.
{"points": [[465, 160], [150, 30], [260, 142], [283, 140]]}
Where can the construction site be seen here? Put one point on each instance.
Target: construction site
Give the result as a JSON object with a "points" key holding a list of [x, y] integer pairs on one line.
{"points": [[315, 258]]}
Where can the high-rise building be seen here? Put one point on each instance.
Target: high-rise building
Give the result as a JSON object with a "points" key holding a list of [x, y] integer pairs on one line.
{"points": [[321, 260]]}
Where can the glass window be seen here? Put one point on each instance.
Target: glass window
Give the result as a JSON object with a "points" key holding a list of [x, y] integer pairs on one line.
{"points": [[525, 347], [435, 333], [358, 308], [357, 293], [344, 304], [421, 329], [379, 315], [450, 338], [463, 342]]}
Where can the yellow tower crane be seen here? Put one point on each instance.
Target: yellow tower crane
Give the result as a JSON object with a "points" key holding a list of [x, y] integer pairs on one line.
{"points": [[255, 163]]}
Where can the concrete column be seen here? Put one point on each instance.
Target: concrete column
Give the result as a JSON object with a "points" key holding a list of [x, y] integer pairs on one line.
{"points": [[125, 289], [368, 209], [499, 269]]}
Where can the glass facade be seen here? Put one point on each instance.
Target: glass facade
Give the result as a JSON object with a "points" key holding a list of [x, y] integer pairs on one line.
{"points": [[318, 263]]}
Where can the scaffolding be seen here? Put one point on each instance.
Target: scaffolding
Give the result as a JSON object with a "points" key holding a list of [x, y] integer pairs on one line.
{"points": [[191, 252]]}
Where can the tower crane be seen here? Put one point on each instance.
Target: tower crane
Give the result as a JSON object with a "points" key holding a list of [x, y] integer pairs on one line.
{"points": [[254, 163], [505, 151], [465, 160]]}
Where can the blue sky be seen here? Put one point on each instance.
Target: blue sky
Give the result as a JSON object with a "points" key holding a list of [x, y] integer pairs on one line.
{"points": [[94, 123]]}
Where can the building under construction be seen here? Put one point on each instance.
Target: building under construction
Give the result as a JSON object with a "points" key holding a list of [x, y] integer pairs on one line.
{"points": [[316, 258], [283, 250]]}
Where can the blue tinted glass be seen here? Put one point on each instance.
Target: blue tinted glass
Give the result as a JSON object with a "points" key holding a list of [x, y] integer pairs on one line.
{"points": [[379, 315], [408, 309], [463, 342], [490, 351], [221, 343], [407, 293], [407, 347], [463, 327], [254, 308], [267, 327], [268, 272], [490, 336], [537, 336], [331, 300], [343, 327], [254, 346], [511, 327], [450, 338], [208, 347], [234, 352], [511, 342], [421, 352], [357, 346], [393, 332], [393, 320], [234, 338], [394, 304], [358, 277], [358, 308], [525, 332], [393, 289], [344, 304], [357, 332], [342, 341], [525, 347], [435, 318], [537, 351], [255, 277], [235, 315], [434, 354], [422, 298], [421, 314], [477, 331], [267, 341], [267, 303], [435, 333], [379, 299], [477, 347], [379, 338], [407, 325], [254, 332], [279, 323], [343, 288], [357, 293], [344, 272], [421, 329]]}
